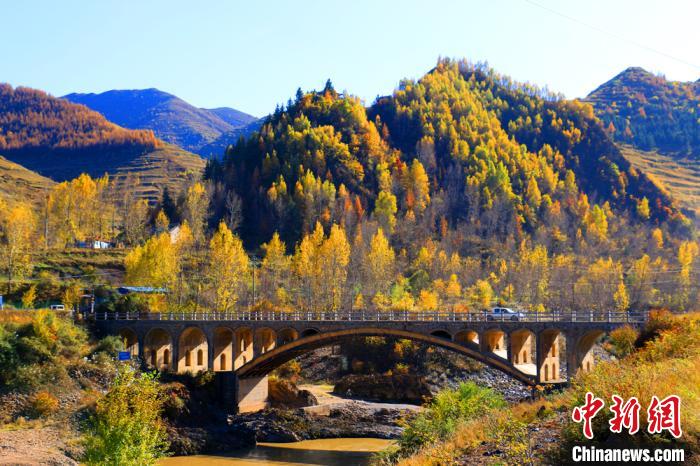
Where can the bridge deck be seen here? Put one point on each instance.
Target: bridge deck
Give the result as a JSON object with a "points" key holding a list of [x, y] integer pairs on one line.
{"points": [[382, 316]]}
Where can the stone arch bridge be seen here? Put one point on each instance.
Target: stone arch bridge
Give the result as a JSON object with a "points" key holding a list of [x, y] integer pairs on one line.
{"points": [[244, 347]]}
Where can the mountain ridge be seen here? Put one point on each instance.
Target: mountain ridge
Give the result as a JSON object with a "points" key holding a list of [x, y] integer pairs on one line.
{"points": [[171, 118], [60, 140]]}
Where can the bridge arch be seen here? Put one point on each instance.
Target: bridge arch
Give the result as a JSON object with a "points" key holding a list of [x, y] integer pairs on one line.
{"points": [[286, 335], [583, 356], [467, 337], [158, 349], [265, 340], [265, 363], [130, 340], [244, 346], [193, 350], [444, 334], [308, 332], [224, 349], [493, 340], [549, 351]]}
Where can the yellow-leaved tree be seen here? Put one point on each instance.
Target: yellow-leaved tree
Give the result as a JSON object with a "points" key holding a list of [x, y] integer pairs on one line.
{"points": [[306, 264], [17, 228], [274, 271], [155, 264], [381, 264], [228, 268], [334, 260]]}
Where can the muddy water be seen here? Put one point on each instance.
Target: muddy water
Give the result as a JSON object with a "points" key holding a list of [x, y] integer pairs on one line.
{"points": [[324, 452]]}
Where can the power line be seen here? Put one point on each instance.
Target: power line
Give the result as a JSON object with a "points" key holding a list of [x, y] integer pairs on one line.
{"points": [[614, 35]]}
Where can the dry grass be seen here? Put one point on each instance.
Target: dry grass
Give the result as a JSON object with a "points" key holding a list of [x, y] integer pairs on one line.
{"points": [[679, 176], [667, 365], [20, 184]]}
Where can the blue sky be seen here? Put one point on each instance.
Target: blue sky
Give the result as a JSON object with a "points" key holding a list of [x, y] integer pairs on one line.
{"points": [[252, 55]]}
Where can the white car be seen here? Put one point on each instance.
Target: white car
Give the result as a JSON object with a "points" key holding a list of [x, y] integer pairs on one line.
{"points": [[504, 313]]}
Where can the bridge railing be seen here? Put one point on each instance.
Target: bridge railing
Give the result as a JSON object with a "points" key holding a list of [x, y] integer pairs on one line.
{"points": [[380, 316]]}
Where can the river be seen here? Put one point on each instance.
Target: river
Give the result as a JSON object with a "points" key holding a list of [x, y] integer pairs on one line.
{"points": [[323, 452]]}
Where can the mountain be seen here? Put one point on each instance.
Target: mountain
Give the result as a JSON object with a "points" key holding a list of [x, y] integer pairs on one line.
{"points": [[217, 148], [233, 117], [461, 150], [60, 140], [171, 119], [657, 124], [650, 112], [17, 183]]}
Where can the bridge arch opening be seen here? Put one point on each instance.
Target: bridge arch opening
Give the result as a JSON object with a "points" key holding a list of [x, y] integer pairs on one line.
{"points": [[549, 355], [265, 340], [286, 335], [445, 335], [523, 350], [244, 346], [158, 347], [309, 332], [494, 341], [194, 349], [467, 337], [583, 353], [224, 340], [130, 341], [263, 364]]}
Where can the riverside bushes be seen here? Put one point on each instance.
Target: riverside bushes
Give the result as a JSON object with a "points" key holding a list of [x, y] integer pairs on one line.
{"points": [[35, 353], [127, 428], [666, 361], [448, 410]]}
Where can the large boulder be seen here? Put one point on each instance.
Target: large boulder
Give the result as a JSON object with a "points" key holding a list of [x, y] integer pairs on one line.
{"points": [[284, 394]]}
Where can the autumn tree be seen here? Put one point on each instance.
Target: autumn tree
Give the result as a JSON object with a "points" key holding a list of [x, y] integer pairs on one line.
{"points": [[275, 270], [334, 259], [17, 227], [227, 269], [380, 264], [196, 204], [154, 264]]}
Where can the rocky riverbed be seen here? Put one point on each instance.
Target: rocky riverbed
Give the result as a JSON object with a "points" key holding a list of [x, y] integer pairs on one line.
{"points": [[349, 418]]}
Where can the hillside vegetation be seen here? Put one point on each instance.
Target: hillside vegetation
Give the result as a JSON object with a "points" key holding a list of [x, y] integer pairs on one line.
{"points": [[171, 119], [62, 140], [17, 184], [679, 175], [665, 360], [462, 149], [650, 112]]}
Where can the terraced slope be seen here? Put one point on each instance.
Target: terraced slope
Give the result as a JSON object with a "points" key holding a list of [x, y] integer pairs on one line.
{"points": [[19, 184]]}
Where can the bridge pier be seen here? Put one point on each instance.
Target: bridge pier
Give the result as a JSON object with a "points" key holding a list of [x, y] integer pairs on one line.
{"points": [[251, 393]]}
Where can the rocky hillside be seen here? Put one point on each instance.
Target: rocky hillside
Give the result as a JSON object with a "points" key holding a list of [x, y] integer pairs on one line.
{"points": [[169, 117]]}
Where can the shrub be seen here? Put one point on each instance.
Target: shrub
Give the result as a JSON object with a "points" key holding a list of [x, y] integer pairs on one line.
{"points": [[622, 340], [43, 404], [127, 428], [290, 371], [445, 412], [659, 320]]}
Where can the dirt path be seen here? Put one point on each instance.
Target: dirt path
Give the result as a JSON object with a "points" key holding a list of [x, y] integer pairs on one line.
{"points": [[34, 446]]}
